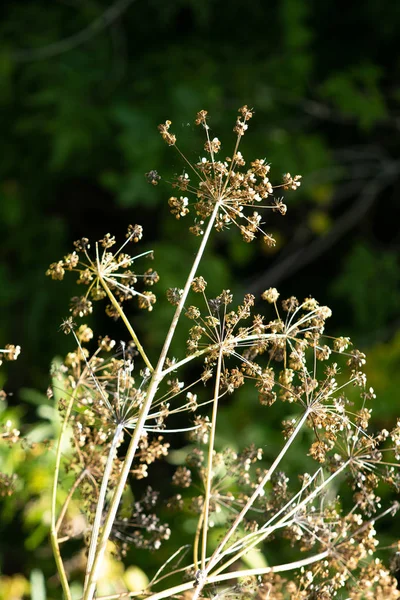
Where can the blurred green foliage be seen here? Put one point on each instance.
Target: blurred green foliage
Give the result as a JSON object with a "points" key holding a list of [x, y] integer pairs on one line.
{"points": [[78, 121]]}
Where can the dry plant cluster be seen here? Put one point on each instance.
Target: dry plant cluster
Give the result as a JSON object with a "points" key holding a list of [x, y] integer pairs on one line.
{"points": [[116, 405]]}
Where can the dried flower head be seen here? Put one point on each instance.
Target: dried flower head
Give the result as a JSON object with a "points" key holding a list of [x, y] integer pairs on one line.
{"points": [[109, 273], [227, 185]]}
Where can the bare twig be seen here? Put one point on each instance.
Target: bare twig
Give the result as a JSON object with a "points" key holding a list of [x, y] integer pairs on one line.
{"points": [[109, 16]]}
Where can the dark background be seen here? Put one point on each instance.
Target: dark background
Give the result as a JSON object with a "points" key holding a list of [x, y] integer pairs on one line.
{"points": [[83, 86]]}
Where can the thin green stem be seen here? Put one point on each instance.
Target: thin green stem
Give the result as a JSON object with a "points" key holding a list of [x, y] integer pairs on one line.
{"points": [[68, 499], [196, 541], [209, 472], [60, 565], [151, 391], [53, 529], [129, 327]]}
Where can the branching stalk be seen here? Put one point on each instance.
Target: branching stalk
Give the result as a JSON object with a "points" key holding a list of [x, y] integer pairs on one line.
{"points": [[152, 389], [298, 564], [283, 521], [217, 552], [129, 327], [101, 499], [68, 499], [256, 492]]}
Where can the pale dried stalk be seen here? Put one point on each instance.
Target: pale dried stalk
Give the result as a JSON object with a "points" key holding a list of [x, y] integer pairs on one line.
{"points": [[216, 554], [153, 386], [171, 592], [101, 499]]}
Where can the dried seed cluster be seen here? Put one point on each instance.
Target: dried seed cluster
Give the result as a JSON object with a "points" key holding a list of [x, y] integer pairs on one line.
{"points": [[277, 348], [114, 268], [227, 183]]}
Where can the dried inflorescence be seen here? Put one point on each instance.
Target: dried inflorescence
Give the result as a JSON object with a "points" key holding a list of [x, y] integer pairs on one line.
{"points": [[142, 528], [9, 352], [227, 183], [9, 434], [292, 359], [278, 350], [107, 269]]}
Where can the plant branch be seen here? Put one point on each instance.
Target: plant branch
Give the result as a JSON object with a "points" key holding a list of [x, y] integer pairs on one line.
{"points": [[298, 564], [284, 520], [118, 308], [53, 528], [256, 492], [152, 389], [209, 473], [109, 16], [68, 499], [196, 541], [217, 552], [101, 499]]}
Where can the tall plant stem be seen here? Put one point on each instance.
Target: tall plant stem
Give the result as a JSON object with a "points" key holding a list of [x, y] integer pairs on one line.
{"points": [[101, 499], [123, 316], [209, 473], [151, 391], [54, 529]]}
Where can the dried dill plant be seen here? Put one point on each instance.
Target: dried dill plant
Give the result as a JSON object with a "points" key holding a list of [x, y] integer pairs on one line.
{"points": [[117, 405]]}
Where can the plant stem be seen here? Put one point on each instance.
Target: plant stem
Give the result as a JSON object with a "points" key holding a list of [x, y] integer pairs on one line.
{"points": [[68, 499], [196, 541], [101, 499], [209, 473], [60, 565], [298, 564], [132, 333], [315, 492], [258, 536], [187, 359], [216, 554], [256, 493], [151, 391], [186, 289], [282, 521], [53, 529]]}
